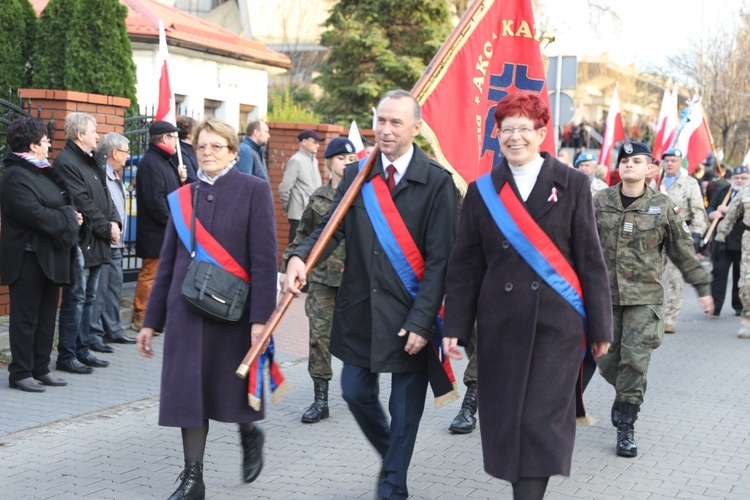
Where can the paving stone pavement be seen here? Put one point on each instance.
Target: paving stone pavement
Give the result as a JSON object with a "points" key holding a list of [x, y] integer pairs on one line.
{"points": [[98, 437]]}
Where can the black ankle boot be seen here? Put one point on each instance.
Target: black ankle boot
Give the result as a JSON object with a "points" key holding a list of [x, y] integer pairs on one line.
{"points": [[465, 421], [191, 485], [252, 453], [626, 446], [615, 413], [319, 409]]}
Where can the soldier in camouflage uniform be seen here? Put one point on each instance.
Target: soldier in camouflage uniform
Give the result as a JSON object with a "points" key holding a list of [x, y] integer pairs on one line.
{"points": [[739, 212], [324, 280], [637, 226], [686, 194]]}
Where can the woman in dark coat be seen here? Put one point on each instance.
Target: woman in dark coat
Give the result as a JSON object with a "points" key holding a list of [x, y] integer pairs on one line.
{"points": [[200, 355], [39, 231], [529, 338]]}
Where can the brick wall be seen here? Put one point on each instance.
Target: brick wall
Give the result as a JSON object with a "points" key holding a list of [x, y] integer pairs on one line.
{"points": [[55, 105], [281, 146]]}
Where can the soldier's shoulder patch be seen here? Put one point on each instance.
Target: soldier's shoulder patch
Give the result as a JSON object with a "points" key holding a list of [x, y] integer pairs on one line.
{"points": [[685, 227], [676, 210]]}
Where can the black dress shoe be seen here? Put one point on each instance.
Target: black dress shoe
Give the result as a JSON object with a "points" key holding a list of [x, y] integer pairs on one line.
{"points": [[101, 347], [252, 453], [122, 340], [27, 385], [51, 380], [91, 360], [74, 366]]}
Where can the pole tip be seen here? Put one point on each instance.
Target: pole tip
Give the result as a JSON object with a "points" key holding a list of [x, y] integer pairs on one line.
{"points": [[242, 371]]}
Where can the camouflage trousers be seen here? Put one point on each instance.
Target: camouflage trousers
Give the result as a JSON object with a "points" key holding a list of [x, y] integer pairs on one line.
{"points": [[638, 330], [744, 282], [673, 293], [319, 310], [470, 374]]}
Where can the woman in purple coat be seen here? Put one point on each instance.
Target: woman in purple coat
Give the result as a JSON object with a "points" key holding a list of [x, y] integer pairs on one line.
{"points": [[201, 355], [527, 267]]}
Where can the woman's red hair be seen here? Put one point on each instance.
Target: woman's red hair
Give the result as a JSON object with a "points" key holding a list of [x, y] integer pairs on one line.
{"points": [[523, 104]]}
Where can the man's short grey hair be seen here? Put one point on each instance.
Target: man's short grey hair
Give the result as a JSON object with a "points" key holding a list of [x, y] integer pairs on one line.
{"points": [[77, 123], [112, 141], [402, 94]]}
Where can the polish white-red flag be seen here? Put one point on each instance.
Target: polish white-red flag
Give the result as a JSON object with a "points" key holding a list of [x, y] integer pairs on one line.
{"points": [[694, 139], [165, 111], [356, 138], [666, 126], [614, 131]]}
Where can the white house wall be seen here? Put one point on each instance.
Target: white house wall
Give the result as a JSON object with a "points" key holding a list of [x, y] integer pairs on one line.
{"points": [[200, 76]]}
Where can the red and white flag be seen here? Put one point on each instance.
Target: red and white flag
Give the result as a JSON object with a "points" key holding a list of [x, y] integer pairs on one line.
{"points": [[694, 139], [613, 131], [498, 54], [356, 138], [166, 108], [666, 126]]}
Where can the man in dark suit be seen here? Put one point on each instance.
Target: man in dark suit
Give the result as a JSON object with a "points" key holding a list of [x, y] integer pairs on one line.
{"points": [[729, 253], [378, 327]]}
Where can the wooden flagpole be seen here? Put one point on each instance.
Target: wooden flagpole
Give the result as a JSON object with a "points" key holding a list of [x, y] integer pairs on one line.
{"points": [[462, 29]]}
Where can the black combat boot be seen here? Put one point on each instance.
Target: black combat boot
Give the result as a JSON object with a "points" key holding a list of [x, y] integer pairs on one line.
{"points": [[615, 413], [465, 421], [626, 446], [252, 453], [319, 409], [191, 485]]}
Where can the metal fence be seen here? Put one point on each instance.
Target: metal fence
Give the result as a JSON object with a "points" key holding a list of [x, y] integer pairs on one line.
{"points": [[136, 131], [10, 109]]}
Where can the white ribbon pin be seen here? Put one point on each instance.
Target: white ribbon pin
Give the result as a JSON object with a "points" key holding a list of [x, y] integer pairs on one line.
{"points": [[553, 195]]}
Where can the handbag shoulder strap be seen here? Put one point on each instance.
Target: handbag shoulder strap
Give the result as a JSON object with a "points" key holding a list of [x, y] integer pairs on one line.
{"points": [[192, 222]]}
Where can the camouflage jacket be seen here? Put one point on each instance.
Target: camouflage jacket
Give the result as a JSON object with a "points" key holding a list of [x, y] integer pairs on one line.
{"points": [[634, 240], [597, 185], [737, 211], [329, 271], [686, 194]]}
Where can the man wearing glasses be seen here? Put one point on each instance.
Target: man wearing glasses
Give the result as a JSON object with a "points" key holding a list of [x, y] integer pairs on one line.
{"points": [[158, 175], [114, 151]]}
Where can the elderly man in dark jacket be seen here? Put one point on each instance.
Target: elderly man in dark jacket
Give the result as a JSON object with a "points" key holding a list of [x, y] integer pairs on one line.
{"points": [[378, 326], [158, 175], [86, 181]]}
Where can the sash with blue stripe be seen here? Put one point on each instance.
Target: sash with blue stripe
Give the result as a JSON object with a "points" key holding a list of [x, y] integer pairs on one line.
{"points": [[531, 242], [408, 262], [207, 249]]}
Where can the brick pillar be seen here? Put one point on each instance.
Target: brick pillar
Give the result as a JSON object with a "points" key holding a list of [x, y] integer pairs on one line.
{"points": [[281, 146], [55, 105]]}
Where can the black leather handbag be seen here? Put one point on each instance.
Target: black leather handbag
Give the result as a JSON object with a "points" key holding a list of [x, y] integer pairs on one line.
{"points": [[210, 290]]}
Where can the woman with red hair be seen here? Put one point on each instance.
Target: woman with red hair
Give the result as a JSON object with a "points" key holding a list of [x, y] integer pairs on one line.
{"points": [[527, 267]]}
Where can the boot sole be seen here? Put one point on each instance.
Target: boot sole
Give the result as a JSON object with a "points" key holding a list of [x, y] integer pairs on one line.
{"points": [[455, 430], [628, 454], [315, 420]]}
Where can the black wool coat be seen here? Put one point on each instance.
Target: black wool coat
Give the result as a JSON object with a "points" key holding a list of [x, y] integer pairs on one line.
{"points": [[157, 176], [37, 210], [88, 185], [373, 304], [529, 339]]}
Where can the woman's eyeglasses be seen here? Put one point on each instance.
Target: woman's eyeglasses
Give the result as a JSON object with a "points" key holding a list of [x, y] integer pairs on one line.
{"points": [[213, 147]]}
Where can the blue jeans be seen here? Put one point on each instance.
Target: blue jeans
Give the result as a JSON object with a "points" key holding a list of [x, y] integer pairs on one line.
{"points": [[75, 312]]}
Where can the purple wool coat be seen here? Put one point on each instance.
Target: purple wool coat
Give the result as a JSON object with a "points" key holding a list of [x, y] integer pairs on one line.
{"points": [[529, 339], [200, 355]]}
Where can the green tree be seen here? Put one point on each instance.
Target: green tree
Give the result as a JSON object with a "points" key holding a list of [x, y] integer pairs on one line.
{"points": [[83, 45], [376, 46], [18, 25]]}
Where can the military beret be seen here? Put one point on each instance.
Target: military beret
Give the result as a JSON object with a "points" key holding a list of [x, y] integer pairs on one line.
{"points": [[339, 146], [161, 128], [742, 169], [309, 134], [632, 148], [673, 152], [587, 156]]}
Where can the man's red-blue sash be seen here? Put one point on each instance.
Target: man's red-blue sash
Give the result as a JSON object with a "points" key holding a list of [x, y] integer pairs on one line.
{"points": [[408, 262], [207, 249], [531, 242]]}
